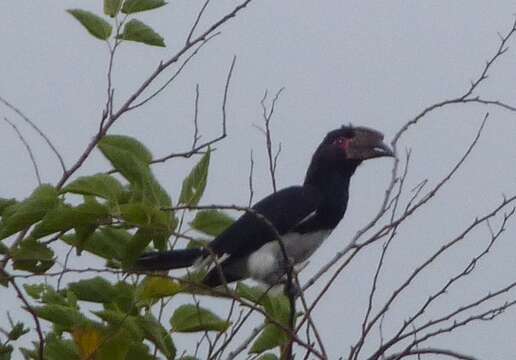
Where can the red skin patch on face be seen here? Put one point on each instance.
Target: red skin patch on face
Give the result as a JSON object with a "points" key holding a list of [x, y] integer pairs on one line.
{"points": [[342, 143]]}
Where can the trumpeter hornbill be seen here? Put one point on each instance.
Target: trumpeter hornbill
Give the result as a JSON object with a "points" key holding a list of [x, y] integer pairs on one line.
{"points": [[302, 215]]}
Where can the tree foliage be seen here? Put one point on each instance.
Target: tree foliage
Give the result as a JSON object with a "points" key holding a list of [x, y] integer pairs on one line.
{"points": [[114, 216]]}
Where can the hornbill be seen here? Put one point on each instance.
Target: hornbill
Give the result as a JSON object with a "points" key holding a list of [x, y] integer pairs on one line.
{"points": [[303, 216]]}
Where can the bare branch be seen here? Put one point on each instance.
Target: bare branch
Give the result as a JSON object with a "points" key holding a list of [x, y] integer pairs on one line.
{"points": [[254, 333], [30, 309], [27, 147], [37, 129], [385, 247], [267, 117], [223, 135], [502, 48], [196, 136], [251, 173], [196, 22], [126, 106], [175, 75], [432, 351], [394, 224], [398, 337], [464, 98]]}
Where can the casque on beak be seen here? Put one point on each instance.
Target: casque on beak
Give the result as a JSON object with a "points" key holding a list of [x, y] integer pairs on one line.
{"points": [[368, 144]]}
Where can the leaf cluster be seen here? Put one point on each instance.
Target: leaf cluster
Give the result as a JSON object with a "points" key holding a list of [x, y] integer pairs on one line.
{"points": [[117, 216], [133, 29]]}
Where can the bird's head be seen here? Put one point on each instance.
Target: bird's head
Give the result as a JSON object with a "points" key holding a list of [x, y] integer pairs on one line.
{"points": [[343, 149], [354, 144]]}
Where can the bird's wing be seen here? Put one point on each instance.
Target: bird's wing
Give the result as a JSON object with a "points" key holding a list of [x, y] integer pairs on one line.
{"points": [[283, 210]]}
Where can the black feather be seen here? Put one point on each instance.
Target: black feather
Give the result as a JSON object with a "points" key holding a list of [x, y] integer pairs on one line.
{"points": [[173, 259]]}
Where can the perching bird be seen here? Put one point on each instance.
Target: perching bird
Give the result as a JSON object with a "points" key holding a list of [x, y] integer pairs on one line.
{"points": [[303, 216]]}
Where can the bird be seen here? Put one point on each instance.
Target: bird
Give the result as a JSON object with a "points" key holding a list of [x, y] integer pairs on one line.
{"points": [[303, 216]]}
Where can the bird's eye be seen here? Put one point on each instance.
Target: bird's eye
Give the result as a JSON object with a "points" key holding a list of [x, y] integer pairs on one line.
{"points": [[339, 141], [342, 142]]}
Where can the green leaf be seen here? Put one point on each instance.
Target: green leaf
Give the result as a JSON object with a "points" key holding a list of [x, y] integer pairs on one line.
{"points": [[119, 296], [65, 217], [96, 290], [34, 290], [139, 351], [125, 296], [4, 203], [211, 222], [156, 333], [61, 315], [45, 293], [145, 215], [133, 6], [127, 144], [17, 331], [195, 183], [95, 25], [192, 318], [116, 345], [278, 307], [5, 352], [131, 159], [270, 337], [155, 287], [120, 319], [83, 233], [51, 296], [254, 294], [33, 256], [57, 348], [137, 244], [20, 216], [137, 31], [112, 7], [134, 169], [101, 185], [4, 250], [268, 357], [107, 243]]}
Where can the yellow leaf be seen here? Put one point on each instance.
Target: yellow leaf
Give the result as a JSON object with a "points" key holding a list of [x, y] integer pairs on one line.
{"points": [[154, 287], [88, 341]]}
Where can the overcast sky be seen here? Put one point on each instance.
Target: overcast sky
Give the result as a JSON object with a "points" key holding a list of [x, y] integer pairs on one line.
{"points": [[374, 63]]}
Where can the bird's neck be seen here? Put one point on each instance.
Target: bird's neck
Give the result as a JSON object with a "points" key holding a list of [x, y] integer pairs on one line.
{"points": [[333, 184]]}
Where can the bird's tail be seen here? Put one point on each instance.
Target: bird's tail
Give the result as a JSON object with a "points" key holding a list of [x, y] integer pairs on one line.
{"points": [[173, 259]]}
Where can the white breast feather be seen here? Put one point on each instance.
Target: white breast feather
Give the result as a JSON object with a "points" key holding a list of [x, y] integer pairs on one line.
{"points": [[299, 247]]}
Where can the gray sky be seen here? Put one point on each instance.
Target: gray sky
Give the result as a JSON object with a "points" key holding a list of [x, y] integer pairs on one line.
{"points": [[373, 63]]}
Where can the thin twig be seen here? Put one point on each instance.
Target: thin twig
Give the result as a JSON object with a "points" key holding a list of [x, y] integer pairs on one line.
{"points": [[30, 309], [432, 351], [37, 129], [27, 147], [196, 118], [126, 106], [460, 99], [176, 73], [206, 144], [196, 22], [423, 201], [251, 173], [267, 117]]}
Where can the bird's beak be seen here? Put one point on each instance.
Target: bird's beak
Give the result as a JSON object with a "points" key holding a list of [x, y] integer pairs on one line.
{"points": [[380, 150], [367, 144], [369, 149]]}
